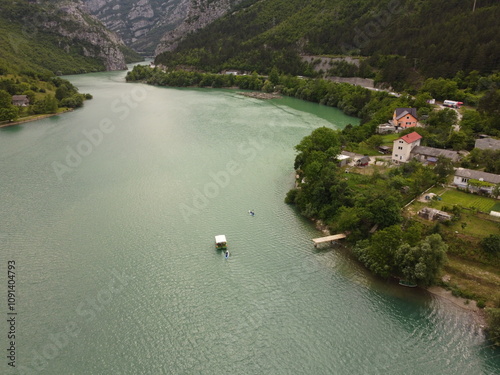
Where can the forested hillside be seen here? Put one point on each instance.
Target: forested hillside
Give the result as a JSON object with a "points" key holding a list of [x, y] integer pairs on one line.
{"points": [[41, 39], [58, 37], [436, 38]]}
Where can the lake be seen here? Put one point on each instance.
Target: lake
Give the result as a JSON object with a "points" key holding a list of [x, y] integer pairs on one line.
{"points": [[110, 212]]}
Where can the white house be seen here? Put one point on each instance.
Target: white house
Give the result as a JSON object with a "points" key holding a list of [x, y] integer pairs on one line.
{"points": [[463, 176], [403, 146]]}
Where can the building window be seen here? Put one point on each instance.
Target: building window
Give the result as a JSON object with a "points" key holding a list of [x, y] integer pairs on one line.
{"points": [[400, 147], [400, 141], [396, 155], [464, 179]]}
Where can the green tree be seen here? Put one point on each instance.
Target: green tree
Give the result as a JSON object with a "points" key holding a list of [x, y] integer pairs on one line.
{"points": [[321, 143], [31, 95], [422, 263], [385, 211], [349, 218], [491, 244], [5, 99], [441, 88], [460, 141], [375, 141], [10, 113], [471, 121], [378, 255], [443, 168], [47, 105], [443, 119], [493, 318], [274, 76]]}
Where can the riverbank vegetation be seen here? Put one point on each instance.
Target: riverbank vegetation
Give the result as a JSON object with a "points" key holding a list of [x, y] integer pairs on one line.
{"points": [[38, 36], [45, 94], [400, 43], [387, 235]]}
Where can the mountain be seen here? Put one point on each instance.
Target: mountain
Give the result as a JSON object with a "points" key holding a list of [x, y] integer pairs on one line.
{"points": [[156, 25], [58, 36], [141, 23], [200, 13], [438, 37]]}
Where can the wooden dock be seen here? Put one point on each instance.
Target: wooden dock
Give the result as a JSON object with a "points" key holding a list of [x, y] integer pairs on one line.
{"points": [[321, 240]]}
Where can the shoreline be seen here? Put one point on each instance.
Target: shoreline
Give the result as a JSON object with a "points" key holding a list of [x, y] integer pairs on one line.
{"points": [[41, 117], [261, 95], [478, 314]]}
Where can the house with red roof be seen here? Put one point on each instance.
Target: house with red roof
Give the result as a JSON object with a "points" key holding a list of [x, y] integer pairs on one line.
{"points": [[403, 147]]}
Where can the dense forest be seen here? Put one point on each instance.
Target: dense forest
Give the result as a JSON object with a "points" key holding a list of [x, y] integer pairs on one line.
{"points": [[33, 52], [406, 41], [32, 38]]}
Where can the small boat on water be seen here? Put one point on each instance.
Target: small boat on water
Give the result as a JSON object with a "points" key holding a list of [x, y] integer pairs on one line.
{"points": [[406, 283], [220, 242]]}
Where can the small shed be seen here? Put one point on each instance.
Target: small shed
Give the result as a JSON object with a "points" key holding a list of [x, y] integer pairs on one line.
{"points": [[434, 214], [363, 162], [386, 128], [20, 100], [343, 160], [385, 149]]}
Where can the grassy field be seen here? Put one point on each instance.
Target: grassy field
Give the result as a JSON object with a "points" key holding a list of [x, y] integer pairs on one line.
{"points": [[473, 281], [466, 200], [471, 273], [388, 139], [365, 149]]}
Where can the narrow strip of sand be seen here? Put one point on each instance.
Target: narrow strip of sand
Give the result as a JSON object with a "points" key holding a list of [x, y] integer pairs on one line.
{"points": [[471, 306], [31, 119]]}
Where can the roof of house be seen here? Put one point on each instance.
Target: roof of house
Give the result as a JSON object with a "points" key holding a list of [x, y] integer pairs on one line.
{"points": [[364, 159], [386, 125], [400, 112], [478, 175], [351, 154], [410, 138], [435, 152], [488, 144], [19, 97]]}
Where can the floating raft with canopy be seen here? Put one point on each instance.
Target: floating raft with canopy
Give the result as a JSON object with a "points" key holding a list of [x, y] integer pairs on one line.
{"points": [[220, 242]]}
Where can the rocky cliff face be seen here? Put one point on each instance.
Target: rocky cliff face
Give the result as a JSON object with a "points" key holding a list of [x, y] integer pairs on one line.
{"points": [[71, 21], [200, 13], [154, 26], [140, 23]]}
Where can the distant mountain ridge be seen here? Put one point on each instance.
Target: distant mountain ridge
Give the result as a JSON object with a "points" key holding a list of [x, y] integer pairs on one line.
{"points": [[59, 36], [141, 23], [438, 37], [154, 26]]}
